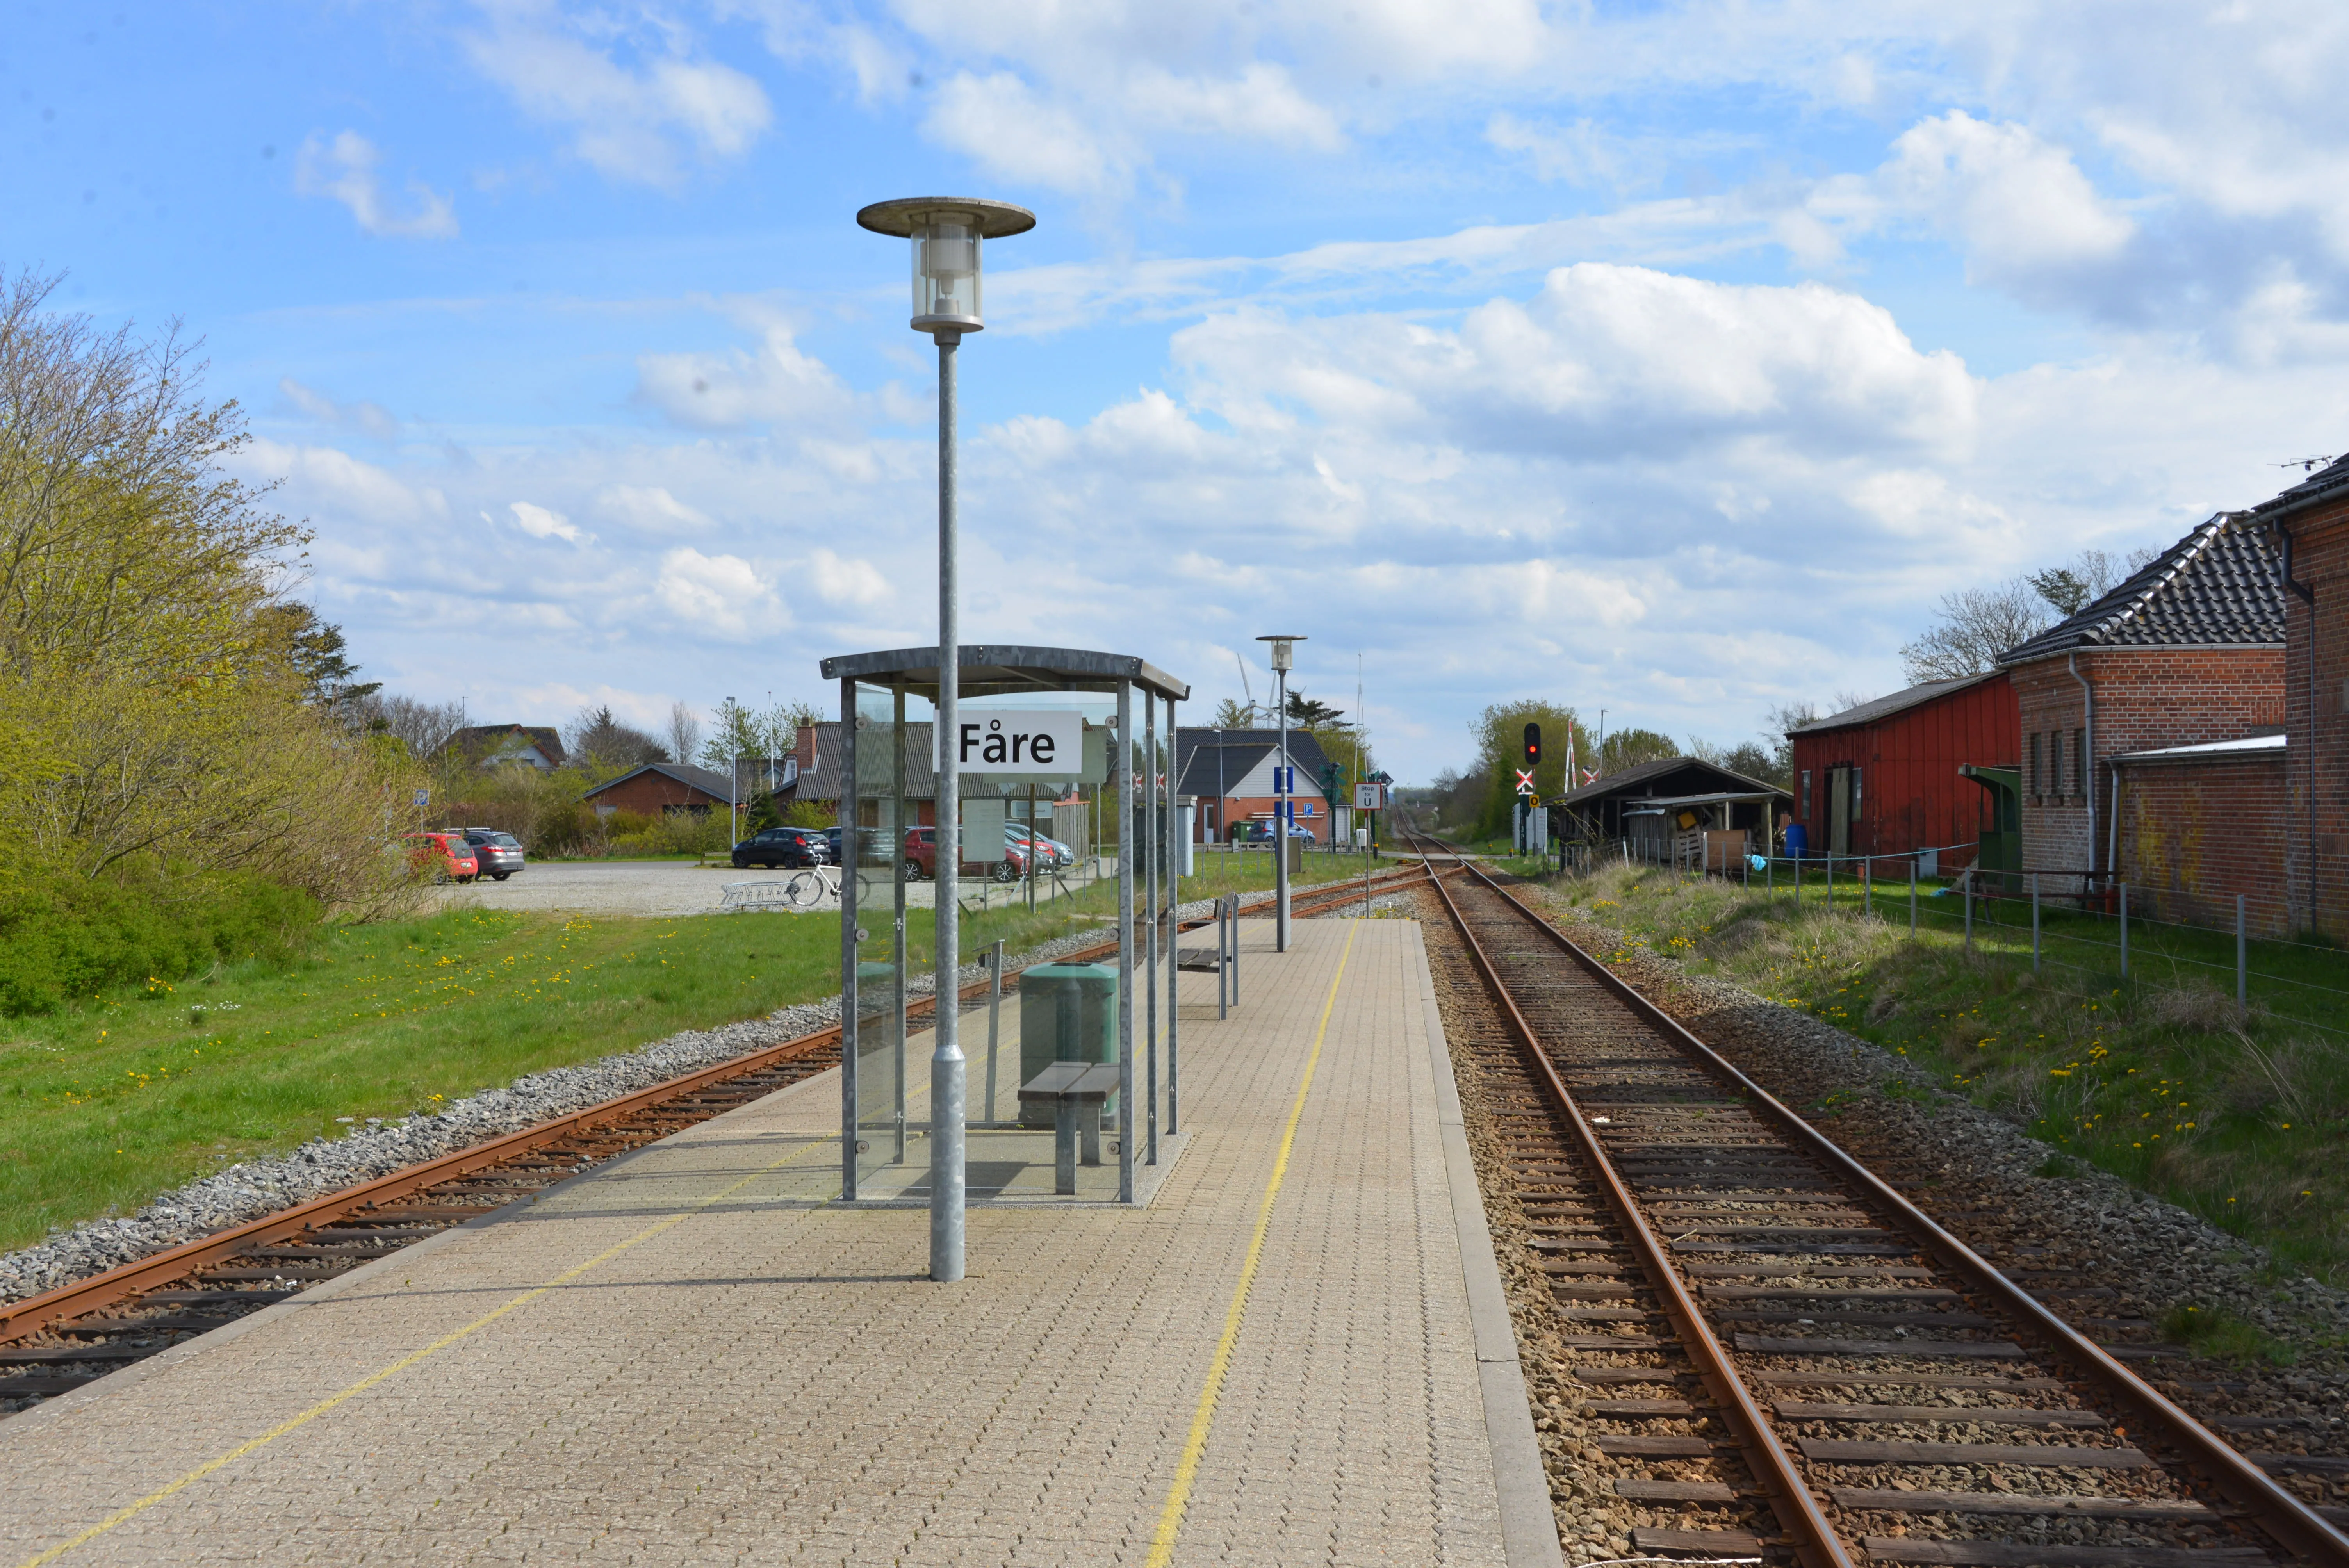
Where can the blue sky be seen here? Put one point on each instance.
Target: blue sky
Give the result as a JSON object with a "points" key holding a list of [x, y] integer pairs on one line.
{"points": [[1671, 359]]}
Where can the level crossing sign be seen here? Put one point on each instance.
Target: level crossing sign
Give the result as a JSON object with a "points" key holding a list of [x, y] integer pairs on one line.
{"points": [[1524, 781]]}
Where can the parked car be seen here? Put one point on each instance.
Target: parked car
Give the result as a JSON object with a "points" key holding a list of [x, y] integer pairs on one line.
{"points": [[498, 855], [922, 858], [772, 847], [876, 847], [1050, 854], [442, 856]]}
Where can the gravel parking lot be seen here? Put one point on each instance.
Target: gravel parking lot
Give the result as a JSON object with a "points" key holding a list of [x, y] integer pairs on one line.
{"points": [[604, 887], [651, 888]]}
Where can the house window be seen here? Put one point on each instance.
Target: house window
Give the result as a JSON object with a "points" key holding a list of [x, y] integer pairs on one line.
{"points": [[1805, 812], [2080, 763], [2035, 776]]}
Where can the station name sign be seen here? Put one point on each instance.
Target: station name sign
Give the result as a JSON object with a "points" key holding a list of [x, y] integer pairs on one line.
{"points": [[1049, 741]]}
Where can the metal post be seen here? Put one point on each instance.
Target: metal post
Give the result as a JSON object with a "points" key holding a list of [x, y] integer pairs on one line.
{"points": [[1831, 883], [1280, 780], [1151, 851], [947, 1169], [1224, 920], [1912, 895], [2242, 960], [994, 1022], [1769, 876], [894, 832], [2035, 922], [1125, 949], [2124, 931], [1173, 960], [1866, 887], [848, 911], [1969, 913]]}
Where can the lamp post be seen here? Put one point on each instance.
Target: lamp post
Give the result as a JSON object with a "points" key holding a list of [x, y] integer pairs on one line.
{"points": [[945, 231], [1283, 656]]}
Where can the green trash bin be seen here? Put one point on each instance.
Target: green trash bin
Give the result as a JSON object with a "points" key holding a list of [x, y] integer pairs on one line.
{"points": [[1068, 1012]]}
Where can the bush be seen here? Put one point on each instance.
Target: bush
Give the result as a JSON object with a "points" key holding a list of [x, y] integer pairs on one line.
{"points": [[64, 937]]}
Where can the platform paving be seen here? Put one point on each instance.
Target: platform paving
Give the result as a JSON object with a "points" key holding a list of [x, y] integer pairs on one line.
{"points": [[679, 1359]]}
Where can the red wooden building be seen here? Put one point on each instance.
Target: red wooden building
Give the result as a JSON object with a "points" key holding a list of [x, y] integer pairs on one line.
{"points": [[1882, 779]]}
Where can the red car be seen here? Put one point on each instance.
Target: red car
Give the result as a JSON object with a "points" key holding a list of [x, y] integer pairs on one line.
{"points": [[441, 856], [922, 858]]}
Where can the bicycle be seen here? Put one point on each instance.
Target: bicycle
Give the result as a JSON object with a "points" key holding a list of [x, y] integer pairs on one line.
{"points": [[811, 887]]}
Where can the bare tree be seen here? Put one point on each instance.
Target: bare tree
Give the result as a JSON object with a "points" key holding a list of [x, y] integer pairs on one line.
{"points": [[1977, 624], [594, 739], [424, 727], [684, 737]]}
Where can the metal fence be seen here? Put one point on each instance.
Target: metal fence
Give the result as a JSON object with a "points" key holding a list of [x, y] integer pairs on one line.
{"points": [[2087, 923]]}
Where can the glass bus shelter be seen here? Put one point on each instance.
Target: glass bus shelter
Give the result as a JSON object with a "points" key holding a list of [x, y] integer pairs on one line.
{"points": [[1040, 730]]}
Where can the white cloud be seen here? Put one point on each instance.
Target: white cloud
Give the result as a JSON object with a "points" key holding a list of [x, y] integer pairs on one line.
{"points": [[2021, 207], [540, 523], [649, 509], [999, 122], [778, 383], [329, 480], [846, 579], [723, 595], [1259, 103], [372, 418], [630, 121], [344, 170]]}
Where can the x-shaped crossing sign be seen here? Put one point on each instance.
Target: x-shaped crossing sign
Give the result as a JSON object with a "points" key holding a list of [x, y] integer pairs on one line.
{"points": [[1525, 782]]}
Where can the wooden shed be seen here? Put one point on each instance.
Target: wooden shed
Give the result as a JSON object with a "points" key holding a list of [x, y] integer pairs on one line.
{"points": [[1883, 778]]}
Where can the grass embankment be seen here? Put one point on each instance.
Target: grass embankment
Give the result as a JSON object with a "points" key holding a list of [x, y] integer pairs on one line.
{"points": [[2159, 1077], [109, 1103]]}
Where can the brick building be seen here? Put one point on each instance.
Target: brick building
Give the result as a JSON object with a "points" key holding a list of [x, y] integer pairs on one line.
{"points": [[2189, 650], [661, 790], [1883, 778], [2310, 525], [2200, 825], [1230, 772]]}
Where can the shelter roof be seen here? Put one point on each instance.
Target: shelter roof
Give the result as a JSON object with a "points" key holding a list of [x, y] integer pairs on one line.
{"points": [[990, 669], [1899, 701], [2222, 585], [1648, 803]]}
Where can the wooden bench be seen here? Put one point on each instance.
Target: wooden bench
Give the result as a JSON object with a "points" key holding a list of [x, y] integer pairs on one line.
{"points": [[1076, 1091]]}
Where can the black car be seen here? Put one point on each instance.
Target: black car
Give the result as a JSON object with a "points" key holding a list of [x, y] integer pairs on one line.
{"points": [[773, 846], [877, 846], [498, 855]]}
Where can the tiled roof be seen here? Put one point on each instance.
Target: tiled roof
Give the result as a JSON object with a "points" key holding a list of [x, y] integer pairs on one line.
{"points": [[1885, 707], [2325, 484], [708, 781], [2221, 586], [1196, 752]]}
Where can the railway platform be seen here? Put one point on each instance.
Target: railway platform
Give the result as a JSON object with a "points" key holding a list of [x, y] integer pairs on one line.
{"points": [[1298, 1352]]}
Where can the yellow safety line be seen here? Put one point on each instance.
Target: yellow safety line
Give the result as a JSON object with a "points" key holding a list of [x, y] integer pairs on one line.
{"points": [[402, 1365], [1187, 1469]]}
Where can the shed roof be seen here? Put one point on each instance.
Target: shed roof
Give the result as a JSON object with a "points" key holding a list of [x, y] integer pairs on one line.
{"points": [[2222, 585], [710, 781], [1629, 782], [487, 737], [990, 669], [1899, 701]]}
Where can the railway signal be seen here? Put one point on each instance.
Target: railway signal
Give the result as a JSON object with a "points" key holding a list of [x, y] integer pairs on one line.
{"points": [[1533, 747]]}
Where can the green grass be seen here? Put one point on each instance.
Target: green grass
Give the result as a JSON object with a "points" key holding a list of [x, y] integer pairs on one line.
{"points": [[2223, 1335], [106, 1104], [2243, 1118]]}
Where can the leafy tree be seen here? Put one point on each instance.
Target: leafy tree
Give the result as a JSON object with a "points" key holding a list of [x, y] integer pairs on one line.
{"points": [[1232, 714], [1629, 747], [1978, 624], [1500, 732], [158, 702]]}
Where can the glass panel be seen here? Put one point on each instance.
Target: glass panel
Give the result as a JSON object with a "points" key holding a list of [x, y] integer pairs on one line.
{"points": [[884, 812]]}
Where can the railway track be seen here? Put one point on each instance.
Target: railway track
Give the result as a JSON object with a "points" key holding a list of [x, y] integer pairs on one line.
{"points": [[1781, 1358], [66, 1338]]}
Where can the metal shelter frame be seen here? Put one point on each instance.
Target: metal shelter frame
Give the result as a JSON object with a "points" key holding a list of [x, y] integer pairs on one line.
{"points": [[988, 672]]}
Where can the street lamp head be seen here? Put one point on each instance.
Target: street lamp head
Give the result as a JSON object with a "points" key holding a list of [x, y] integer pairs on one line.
{"points": [[1283, 650], [946, 231]]}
